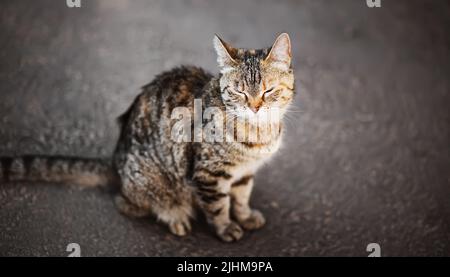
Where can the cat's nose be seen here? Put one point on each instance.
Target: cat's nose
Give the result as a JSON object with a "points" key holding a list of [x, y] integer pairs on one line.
{"points": [[254, 104], [255, 109]]}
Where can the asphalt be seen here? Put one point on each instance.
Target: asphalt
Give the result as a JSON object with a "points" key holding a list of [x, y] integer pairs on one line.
{"points": [[366, 157]]}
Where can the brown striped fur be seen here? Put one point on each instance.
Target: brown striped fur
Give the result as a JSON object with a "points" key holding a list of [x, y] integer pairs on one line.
{"points": [[81, 172], [170, 179]]}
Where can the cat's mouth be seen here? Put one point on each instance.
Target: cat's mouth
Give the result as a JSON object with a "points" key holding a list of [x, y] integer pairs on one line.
{"points": [[255, 144]]}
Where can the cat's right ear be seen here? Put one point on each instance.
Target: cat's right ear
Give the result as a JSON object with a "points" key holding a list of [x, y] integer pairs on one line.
{"points": [[225, 54]]}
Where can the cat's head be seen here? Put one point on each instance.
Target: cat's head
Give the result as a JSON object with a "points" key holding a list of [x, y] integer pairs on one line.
{"points": [[255, 81]]}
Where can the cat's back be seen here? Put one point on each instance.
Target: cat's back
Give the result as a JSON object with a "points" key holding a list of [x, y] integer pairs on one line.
{"points": [[148, 119], [146, 123], [178, 86]]}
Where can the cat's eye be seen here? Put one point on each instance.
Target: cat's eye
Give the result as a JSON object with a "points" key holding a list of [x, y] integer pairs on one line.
{"points": [[240, 93], [267, 92]]}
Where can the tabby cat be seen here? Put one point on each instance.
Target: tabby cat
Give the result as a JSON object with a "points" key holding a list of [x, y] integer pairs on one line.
{"points": [[170, 178]]}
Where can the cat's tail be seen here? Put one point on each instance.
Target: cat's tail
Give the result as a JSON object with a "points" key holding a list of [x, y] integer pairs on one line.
{"points": [[83, 172]]}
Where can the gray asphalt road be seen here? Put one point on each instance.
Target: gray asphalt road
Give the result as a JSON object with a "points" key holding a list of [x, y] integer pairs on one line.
{"points": [[366, 157]]}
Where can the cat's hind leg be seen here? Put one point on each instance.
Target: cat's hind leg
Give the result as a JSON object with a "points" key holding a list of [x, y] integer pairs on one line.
{"points": [[129, 209], [149, 187], [177, 218]]}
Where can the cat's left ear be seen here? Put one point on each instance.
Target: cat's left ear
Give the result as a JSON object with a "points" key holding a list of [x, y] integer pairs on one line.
{"points": [[280, 54], [225, 54]]}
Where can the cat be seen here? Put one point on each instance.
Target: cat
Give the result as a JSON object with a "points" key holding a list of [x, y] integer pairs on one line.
{"points": [[172, 179]]}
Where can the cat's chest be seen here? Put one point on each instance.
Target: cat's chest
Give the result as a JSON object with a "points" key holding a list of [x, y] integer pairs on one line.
{"points": [[252, 157], [251, 162], [245, 169]]}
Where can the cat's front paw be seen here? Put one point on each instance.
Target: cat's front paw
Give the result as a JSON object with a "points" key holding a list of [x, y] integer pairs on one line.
{"points": [[255, 221], [232, 232]]}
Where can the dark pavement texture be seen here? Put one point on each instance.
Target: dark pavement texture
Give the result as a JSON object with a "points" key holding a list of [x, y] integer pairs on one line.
{"points": [[366, 157]]}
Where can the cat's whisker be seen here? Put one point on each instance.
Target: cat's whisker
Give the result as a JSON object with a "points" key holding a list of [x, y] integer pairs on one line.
{"points": [[293, 110], [291, 121]]}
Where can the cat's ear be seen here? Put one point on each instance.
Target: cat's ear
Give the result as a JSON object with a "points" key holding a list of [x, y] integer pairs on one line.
{"points": [[280, 53], [225, 54]]}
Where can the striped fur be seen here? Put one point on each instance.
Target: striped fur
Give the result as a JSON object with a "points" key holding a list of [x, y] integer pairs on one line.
{"points": [[76, 171], [169, 179]]}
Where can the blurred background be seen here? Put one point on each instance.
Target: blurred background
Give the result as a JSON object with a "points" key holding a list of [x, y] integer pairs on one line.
{"points": [[366, 157]]}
